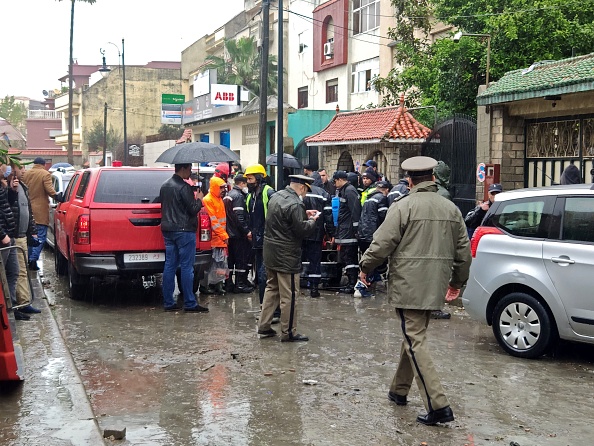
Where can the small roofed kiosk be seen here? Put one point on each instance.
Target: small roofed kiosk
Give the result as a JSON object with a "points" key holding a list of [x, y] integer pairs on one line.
{"points": [[536, 121], [388, 135]]}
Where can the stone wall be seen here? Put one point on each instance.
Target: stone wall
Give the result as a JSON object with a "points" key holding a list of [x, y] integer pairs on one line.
{"points": [[507, 147]]}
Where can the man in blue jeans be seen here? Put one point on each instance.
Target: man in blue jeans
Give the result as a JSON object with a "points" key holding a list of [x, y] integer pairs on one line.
{"points": [[179, 222]]}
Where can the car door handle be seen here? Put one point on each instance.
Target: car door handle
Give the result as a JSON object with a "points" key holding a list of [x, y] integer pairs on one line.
{"points": [[562, 259]]}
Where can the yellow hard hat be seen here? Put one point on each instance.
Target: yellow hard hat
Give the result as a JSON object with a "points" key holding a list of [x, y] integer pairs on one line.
{"points": [[255, 169]]}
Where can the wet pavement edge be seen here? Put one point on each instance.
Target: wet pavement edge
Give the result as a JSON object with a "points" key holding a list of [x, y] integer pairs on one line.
{"points": [[54, 408]]}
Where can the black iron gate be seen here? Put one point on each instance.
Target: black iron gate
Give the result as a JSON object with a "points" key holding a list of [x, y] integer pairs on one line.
{"points": [[453, 141]]}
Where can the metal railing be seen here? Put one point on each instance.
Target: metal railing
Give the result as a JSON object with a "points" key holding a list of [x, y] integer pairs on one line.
{"points": [[44, 114]]}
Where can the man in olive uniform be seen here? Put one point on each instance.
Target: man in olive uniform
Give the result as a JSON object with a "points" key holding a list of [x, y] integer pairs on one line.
{"points": [[425, 239], [287, 224]]}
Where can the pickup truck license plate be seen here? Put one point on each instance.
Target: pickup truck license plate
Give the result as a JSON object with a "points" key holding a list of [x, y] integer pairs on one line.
{"points": [[144, 257]]}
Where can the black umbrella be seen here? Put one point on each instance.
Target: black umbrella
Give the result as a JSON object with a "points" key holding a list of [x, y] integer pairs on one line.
{"points": [[197, 152], [289, 161]]}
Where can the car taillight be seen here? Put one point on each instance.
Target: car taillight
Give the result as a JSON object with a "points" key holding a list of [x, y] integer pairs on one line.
{"points": [[478, 233], [82, 230], [204, 227]]}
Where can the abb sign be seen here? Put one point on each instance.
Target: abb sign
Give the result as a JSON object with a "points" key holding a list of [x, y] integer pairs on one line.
{"points": [[221, 94]]}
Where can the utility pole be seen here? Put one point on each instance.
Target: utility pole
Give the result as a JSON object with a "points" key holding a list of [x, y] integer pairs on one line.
{"points": [[280, 115], [105, 135], [70, 152], [124, 88], [264, 50]]}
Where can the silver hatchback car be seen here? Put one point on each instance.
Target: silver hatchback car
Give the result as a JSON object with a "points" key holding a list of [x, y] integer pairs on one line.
{"points": [[532, 275]]}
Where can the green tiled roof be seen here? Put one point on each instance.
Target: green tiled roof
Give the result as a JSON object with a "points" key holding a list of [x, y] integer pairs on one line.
{"points": [[542, 79]]}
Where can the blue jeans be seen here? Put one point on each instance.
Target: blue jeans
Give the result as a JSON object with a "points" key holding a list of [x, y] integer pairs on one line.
{"points": [[260, 272], [35, 252], [180, 251]]}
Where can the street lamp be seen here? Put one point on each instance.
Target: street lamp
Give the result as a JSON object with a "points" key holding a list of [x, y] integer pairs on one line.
{"points": [[104, 70], [459, 34]]}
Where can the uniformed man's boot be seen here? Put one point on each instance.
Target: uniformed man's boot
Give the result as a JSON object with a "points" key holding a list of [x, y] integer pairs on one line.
{"points": [[313, 290], [229, 286], [242, 285], [219, 289]]}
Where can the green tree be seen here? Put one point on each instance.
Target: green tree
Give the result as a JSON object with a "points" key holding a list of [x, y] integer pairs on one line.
{"points": [[14, 112], [240, 65], [94, 137], [447, 74], [168, 131]]}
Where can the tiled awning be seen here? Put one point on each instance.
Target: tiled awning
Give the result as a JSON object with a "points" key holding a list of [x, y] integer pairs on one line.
{"points": [[388, 124]]}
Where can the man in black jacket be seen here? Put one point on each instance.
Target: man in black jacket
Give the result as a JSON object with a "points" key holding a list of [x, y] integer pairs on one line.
{"points": [[238, 230], [179, 222], [317, 199], [25, 228], [349, 214], [287, 224], [475, 217], [7, 230]]}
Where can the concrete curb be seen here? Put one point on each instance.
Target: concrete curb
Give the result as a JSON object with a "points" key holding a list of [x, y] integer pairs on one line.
{"points": [[54, 405]]}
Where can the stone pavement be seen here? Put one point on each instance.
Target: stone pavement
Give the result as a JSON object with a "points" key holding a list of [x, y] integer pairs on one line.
{"points": [[50, 407]]}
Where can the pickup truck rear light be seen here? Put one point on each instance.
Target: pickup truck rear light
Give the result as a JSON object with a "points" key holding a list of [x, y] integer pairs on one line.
{"points": [[82, 230], [204, 220], [479, 233]]}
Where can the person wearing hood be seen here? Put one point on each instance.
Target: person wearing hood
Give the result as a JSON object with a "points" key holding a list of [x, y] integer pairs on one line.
{"points": [[571, 175], [442, 179], [214, 205]]}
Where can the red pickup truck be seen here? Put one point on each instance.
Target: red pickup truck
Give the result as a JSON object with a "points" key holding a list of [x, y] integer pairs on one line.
{"points": [[110, 225]]}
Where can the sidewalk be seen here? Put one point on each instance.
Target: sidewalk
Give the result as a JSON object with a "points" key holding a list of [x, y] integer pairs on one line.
{"points": [[51, 406]]}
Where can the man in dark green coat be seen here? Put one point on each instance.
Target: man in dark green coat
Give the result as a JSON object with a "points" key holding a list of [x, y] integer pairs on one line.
{"points": [[287, 224], [424, 238]]}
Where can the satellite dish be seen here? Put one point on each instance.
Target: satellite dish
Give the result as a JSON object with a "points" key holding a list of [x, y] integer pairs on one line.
{"points": [[45, 93]]}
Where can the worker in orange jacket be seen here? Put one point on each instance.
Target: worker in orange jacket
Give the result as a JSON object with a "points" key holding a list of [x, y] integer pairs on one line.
{"points": [[214, 205]]}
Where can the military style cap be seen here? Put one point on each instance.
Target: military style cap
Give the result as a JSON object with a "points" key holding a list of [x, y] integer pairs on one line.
{"points": [[339, 174], [495, 188], [419, 166], [382, 185], [302, 179]]}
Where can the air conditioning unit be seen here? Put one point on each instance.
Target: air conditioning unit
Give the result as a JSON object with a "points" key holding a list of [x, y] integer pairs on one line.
{"points": [[329, 49]]}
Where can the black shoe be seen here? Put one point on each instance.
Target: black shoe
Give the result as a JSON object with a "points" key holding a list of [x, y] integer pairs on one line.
{"points": [[267, 333], [219, 289], [442, 415], [206, 290], [242, 289], [33, 266], [21, 316], [347, 290], [172, 308], [314, 292], [438, 314], [196, 309], [29, 309], [295, 338], [400, 400]]}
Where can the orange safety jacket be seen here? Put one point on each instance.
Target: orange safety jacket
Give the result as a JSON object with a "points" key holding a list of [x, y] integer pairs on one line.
{"points": [[215, 207]]}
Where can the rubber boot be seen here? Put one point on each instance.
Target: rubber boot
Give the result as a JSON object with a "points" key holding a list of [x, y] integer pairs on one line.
{"points": [[241, 283], [219, 289], [313, 291]]}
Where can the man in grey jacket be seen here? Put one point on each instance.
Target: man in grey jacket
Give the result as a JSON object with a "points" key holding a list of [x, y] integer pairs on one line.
{"points": [[287, 224], [425, 239]]}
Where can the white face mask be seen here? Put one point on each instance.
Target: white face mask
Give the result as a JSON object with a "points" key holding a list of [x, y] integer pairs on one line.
{"points": [[199, 184], [244, 190]]}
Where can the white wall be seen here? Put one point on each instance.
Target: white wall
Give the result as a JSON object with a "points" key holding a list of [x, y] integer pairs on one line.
{"points": [[152, 150]]}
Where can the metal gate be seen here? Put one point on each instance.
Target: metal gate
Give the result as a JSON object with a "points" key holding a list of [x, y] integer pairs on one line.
{"points": [[453, 141], [554, 144]]}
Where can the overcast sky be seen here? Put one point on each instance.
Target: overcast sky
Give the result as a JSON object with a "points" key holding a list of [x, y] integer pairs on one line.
{"points": [[35, 35]]}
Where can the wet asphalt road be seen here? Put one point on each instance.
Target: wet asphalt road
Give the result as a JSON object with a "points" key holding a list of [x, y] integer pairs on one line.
{"points": [[206, 379]]}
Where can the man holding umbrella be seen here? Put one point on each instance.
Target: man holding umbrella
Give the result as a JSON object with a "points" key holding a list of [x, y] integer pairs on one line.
{"points": [[287, 224]]}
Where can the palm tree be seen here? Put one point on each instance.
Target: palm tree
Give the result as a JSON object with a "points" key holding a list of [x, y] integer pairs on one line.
{"points": [[240, 65], [70, 88]]}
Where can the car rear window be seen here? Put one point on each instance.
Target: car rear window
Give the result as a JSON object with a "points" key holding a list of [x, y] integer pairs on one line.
{"points": [[129, 186], [578, 219], [521, 217]]}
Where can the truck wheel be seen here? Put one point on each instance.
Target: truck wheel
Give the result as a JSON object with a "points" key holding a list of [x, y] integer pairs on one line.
{"points": [[60, 262], [77, 284]]}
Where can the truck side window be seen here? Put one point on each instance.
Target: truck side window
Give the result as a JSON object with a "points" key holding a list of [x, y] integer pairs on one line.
{"points": [[84, 183], [70, 187]]}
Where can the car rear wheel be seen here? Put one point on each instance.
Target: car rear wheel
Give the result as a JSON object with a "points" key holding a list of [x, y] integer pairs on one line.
{"points": [[60, 262], [522, 326], [77, 284]]}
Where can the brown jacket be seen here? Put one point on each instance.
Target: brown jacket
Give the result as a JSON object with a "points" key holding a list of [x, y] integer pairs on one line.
{"points": [[39, 182]]}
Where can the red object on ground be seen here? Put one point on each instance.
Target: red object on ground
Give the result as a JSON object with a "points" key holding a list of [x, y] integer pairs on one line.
{"points": [[116, 163], [8, 361]]}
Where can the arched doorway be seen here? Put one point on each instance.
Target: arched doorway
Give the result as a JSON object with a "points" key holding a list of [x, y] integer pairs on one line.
{"points": [[382, 163], [454, 142], [345, 162]]}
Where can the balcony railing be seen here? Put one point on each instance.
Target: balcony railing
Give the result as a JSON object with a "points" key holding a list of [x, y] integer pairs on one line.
{"points": [[44, 114]]}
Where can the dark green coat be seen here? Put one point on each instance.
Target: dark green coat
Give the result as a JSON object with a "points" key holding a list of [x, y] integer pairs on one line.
{"points": [[287, 225], [424, 237]]}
